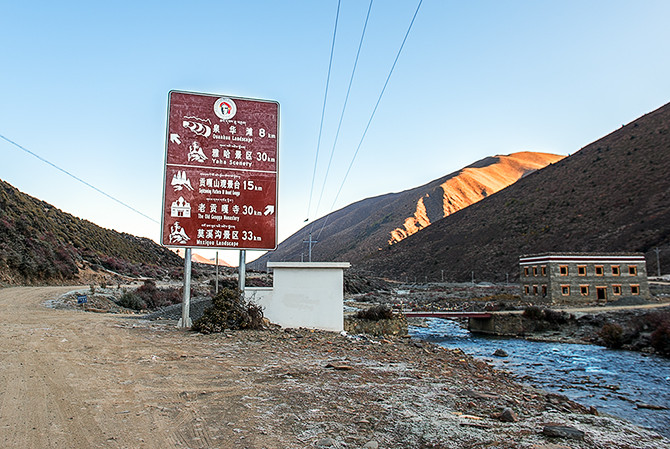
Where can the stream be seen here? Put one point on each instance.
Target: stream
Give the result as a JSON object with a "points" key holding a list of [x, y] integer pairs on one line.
{"points": [[613, 381]]}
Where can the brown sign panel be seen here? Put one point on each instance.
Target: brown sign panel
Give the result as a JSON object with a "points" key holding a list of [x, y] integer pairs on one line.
{"points": [[220, 187]]}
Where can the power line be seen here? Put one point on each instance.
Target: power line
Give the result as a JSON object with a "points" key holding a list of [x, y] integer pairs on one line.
{"points": [[344, 107], [76, 177], [371, 116], [323, 109]]}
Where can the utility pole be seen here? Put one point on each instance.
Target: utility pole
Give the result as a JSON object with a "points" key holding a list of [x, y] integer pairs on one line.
{"points": [[442, 275], [473, 278], [658, 261], [310, 242]]}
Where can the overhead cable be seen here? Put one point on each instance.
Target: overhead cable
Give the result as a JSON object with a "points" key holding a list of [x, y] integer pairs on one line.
{"points": [[323, 109], [344, 107], [371, 117], [76, 177]]}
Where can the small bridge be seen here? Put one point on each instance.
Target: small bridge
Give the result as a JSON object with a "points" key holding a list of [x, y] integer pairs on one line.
{"points": [[477, 321], [448, 314]]}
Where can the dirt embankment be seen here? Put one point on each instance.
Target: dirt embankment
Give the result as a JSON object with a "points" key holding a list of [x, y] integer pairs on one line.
{"points": [[72, 379]]}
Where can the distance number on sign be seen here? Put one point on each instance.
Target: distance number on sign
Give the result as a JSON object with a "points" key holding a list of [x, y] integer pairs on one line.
{"points": [[249, 236]]}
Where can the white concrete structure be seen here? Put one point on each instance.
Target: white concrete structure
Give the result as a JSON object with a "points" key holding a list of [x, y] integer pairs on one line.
{"points": [[304, 294]]}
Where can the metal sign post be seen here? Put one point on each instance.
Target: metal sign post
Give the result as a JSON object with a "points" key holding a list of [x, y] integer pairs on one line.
{"points": [[216, 288], [243, 271], [185, 320]]}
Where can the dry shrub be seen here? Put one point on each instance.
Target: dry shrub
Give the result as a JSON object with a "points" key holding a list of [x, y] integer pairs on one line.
{"points": [[376, 313], [533, 313], [155, 297], [229, 311], [555, 316], [660, 338], [612, 335], [150, 297]]}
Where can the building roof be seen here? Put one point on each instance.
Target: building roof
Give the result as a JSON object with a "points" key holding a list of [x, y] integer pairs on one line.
{"points": [[575, 257]]}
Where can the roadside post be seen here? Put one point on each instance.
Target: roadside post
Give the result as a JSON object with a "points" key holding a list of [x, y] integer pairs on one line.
{"points": [[220, 178], [216, 288], [185, 320], [242, 279]]}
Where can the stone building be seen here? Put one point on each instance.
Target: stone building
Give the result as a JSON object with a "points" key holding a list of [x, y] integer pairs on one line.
{"points": [[582, 277]]}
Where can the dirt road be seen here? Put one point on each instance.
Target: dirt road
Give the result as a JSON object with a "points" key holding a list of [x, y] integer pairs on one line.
{"points": [[72, 379], [81, 380]]}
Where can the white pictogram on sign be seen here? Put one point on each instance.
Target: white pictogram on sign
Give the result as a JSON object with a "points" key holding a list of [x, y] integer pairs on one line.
{"points": [[174, 138], [195, 153], [177, 234], [197, 128], [180, 181], [181, 208]]}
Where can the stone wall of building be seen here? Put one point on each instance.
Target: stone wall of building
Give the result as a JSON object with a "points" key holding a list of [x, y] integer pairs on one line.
{"points": [[582, 278]]}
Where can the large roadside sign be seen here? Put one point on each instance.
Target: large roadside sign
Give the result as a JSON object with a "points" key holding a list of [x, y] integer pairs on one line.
{"points": [[220, 185]]}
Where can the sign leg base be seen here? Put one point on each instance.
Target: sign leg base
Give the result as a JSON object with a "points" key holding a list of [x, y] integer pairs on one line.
{"points": [[188, 324]]}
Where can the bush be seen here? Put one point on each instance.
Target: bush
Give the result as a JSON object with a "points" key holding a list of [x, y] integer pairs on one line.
{"points": [[150, 297], [376, 313], [660, 339], [155, 298], [611, 335], [553, 316], [533, 313], [131, 300], [229, 311]]}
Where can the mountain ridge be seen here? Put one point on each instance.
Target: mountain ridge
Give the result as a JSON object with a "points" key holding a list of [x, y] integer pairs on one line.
{"points": [[368, 225], [39, 243], [612, 195]]}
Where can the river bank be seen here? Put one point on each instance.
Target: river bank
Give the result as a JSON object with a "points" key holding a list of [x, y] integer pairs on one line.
{"points": [[642, 328], [627, 324], [627, 384]]}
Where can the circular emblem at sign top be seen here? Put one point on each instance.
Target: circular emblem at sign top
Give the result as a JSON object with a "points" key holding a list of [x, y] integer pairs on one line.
{"points": [[225, 108]]}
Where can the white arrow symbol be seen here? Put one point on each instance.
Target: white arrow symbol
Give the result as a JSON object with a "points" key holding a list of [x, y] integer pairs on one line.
{"points": [[174, 137], [269, 210]]}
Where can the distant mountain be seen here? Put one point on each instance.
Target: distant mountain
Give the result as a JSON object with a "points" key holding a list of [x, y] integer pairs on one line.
{"points": [[197, 258], [40, 243], [612, 195], [365, 227]]}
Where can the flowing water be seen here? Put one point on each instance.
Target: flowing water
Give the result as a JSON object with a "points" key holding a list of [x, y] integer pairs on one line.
{"points": [[615, 382]]}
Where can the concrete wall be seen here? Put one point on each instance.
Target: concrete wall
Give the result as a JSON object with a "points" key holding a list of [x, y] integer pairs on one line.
{"points": [[503, 325], [304, 294]]}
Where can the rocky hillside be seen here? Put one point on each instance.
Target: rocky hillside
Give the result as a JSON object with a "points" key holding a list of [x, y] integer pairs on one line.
{"points": [[367, 226], [40, 244], [469, 185], [612, 195]]}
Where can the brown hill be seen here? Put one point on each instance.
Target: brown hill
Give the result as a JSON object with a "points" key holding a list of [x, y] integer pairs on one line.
{"points": [[612, 195], [468, 186], [40, 244], [364, 227]]}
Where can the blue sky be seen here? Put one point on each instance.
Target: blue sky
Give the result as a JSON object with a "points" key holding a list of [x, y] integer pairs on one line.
{"points": [[85, 85]]}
